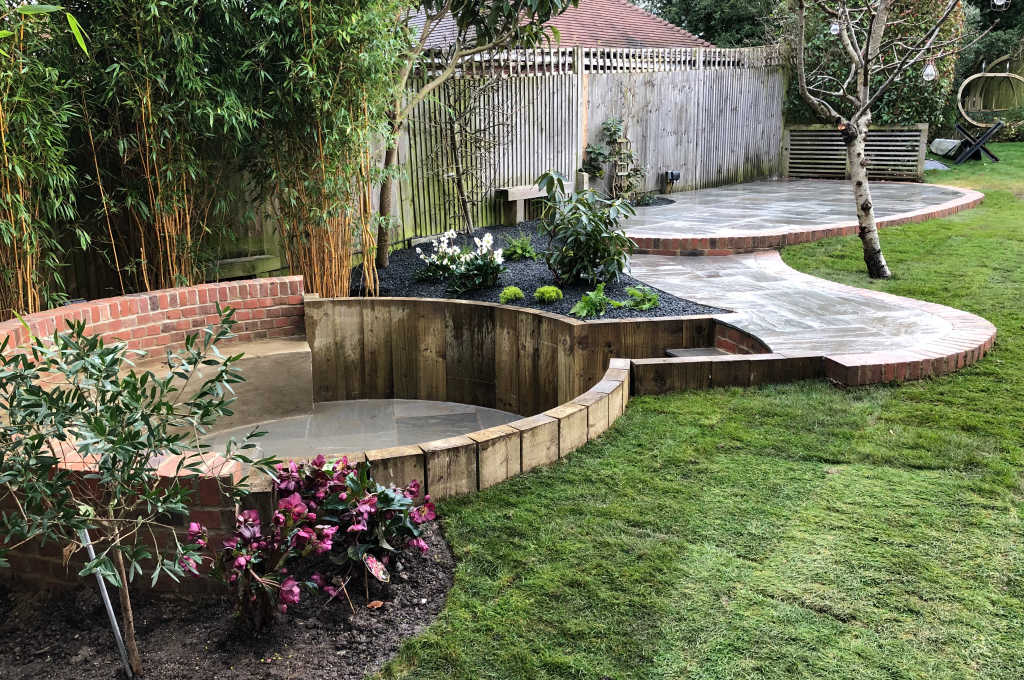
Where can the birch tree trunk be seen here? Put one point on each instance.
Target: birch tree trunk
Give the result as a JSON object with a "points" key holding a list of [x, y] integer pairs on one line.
{"points": [[855, 138]]}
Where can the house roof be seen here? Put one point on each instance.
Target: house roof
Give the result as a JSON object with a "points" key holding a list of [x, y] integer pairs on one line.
{"points": [[594, 23], [619, 23]]}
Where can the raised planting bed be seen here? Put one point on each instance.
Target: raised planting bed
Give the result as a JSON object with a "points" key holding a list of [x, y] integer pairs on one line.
{"points": [[64, 635], [399, 280]]}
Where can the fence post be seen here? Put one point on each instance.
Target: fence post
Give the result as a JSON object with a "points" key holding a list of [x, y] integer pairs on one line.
{"points": [[581, 106]]}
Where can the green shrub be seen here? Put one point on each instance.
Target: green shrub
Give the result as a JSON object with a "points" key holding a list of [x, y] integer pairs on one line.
{"points": [[547, 295], [642, 298], [519, 248], [594, 303], [585, 238], [510, 294]]}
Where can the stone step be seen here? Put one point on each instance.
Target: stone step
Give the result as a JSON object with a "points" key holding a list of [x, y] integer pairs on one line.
{"points": [[695, 352]]}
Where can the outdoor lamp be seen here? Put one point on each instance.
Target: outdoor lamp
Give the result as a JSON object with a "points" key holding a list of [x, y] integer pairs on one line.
{"points": [[1000, 5], [834, 28], [930, 72]]}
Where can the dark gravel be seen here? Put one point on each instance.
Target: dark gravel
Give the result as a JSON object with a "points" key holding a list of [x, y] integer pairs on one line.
{"points": [[398, 280]]}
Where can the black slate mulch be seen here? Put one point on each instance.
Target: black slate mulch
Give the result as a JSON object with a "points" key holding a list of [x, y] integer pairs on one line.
{"points": [[398, 280]]}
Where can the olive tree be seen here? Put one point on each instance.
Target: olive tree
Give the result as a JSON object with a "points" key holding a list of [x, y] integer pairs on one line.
{"points": [[73, 401]]}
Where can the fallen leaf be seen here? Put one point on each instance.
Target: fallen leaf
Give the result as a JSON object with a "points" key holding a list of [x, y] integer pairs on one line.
{"points": [[376, 604]]}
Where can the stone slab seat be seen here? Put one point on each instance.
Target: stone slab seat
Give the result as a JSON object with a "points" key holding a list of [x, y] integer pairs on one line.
{"points": [[514, 202]]}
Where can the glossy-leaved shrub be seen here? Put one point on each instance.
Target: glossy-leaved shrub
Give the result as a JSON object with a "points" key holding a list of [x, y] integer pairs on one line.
{"points": [[586, 242], [547, 295]]}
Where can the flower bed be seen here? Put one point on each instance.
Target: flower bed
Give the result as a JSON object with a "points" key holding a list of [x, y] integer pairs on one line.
{"points": [[400, 280]]}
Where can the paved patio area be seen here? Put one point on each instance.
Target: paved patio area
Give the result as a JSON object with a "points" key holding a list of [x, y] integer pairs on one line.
{"points": [[773, 207], [794, 313], [351, 426]]}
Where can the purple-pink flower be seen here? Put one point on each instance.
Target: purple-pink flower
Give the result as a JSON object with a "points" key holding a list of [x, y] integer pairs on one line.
{"points": [[425, 513], [289, 593], [420, 544]]}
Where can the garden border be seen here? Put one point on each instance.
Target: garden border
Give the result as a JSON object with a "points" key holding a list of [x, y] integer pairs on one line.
{"points": [[575, 353]]}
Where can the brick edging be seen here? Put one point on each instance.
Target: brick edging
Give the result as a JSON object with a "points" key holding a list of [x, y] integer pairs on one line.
{"points": [[754, 241]]}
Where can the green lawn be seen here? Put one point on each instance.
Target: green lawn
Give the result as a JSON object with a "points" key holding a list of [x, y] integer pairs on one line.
{"points": [[797, 531]]}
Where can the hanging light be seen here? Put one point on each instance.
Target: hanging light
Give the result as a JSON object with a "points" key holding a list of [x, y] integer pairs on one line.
{"points": [[834, 28], [930, 72], [1000, 5]]}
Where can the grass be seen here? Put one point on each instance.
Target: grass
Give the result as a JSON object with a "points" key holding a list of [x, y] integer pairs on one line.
{"points": [[794, 531]]}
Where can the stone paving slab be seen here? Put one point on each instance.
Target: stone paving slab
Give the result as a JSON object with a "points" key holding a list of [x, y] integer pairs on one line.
{"points": [[771, 214], [863, 335]]}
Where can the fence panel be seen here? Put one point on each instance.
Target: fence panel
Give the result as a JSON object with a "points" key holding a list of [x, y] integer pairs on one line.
{"points": [[713, 114]]}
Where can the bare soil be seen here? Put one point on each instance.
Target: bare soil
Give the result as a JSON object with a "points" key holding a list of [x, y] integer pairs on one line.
{"points": [[65, 636]]}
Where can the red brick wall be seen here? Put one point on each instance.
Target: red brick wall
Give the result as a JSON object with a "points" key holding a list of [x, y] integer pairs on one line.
{"points": [[735, 341], [266, 308]]}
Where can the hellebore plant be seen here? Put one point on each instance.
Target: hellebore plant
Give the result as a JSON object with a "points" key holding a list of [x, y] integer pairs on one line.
{"points": [[333, 509]]}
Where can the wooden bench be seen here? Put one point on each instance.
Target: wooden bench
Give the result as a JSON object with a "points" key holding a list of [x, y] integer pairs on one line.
{"points": [[514, 202]]}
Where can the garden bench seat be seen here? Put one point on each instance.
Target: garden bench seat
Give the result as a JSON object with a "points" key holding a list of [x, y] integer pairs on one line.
{"points": [[514, 202]]}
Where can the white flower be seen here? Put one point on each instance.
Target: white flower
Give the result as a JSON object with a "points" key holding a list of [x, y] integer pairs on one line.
{"points": [[497, 256]]}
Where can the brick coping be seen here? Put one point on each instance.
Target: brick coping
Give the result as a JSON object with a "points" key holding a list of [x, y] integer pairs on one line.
{"points": [[747, 242]]}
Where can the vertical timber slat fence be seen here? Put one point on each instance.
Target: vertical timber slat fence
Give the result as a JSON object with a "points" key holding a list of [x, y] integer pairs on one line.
{"points": [[713, 114]]}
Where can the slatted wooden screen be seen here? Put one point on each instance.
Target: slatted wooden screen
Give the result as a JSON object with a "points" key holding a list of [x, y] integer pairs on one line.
{"points": [[713, 114], [817, 151]]}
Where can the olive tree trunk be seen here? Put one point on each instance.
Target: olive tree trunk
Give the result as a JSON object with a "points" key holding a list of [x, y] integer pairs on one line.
{"points": [[855, 137]]}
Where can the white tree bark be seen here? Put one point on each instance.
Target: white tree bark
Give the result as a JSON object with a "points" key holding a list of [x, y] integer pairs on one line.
{"points": [[867, 226]]}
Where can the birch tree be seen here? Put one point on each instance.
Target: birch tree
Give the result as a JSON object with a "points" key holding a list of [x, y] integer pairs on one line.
{"points": [[882, 41], [445, 33]]}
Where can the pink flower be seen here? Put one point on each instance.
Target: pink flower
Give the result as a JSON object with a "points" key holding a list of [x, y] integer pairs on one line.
{"points": [[318, 579], [189, 565], [425, 513], [367, 506], [358, 526], [287, 477], [304, 535], [319, 462], [420, 544], [293, 504], [248, 525], [289, 593], [197, 534], [231, 543], [413, 489], [241, 561]]}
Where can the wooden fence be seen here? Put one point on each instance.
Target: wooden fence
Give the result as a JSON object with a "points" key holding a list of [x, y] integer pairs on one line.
{"points": [[818, 151], [715, 115]]}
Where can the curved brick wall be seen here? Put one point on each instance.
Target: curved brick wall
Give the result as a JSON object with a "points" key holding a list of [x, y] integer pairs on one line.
{"points": [[267, 308]]}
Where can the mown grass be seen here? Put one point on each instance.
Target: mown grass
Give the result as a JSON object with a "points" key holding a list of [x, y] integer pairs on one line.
{"points": [[794, 531]]}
